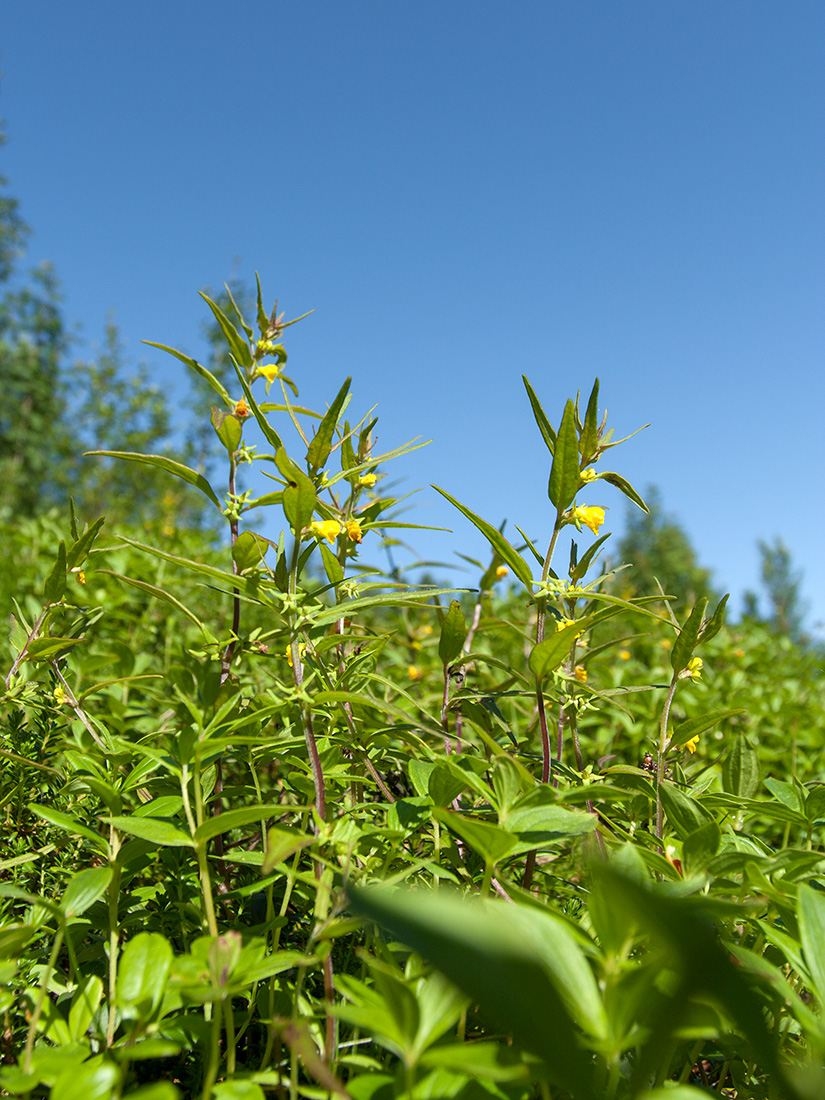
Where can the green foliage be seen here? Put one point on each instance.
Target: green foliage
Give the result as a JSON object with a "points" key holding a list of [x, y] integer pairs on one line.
{"points": [[280, 824]]}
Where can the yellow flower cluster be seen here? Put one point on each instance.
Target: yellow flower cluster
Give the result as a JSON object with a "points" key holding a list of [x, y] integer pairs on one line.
{"points": [[588, 515], [301, 651], [269, 371], [367, 479], [588, 475], [580, 672], [330, 529]]}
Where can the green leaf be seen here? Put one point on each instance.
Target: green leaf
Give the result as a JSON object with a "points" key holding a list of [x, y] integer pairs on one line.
{"points": [[548, 433], [332, 566], [491, 842], [700, 846], [168, 464], [228, 428], [321, 445], [443, 785], [740, 770], [94, 1080], [197, 368], [249, 550], [84, 889], [811, 909], [688, 638], [79, 550], [153, 829], [238, 346], [712, 628], [238, 1090], [281, 843], [684, 813], [85, 1002], [299, 494], [160, 594], [55, 584], [43, 649], [553, 651], [694, 727], [502, 957], [233, 819], [590, 427], [143, 973], [499, 543], [70, 824], [540, 822], [159, 1090], [624, 486], [453, 634], [565, 472], [815, 804]]}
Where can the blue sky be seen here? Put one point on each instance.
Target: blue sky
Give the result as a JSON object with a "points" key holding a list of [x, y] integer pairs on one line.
{"points": [[465, 192]]}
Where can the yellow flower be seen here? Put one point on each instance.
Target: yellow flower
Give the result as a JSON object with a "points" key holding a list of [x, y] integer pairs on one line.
{"points": [[667, 643], [269, 371], [580, 672], [739, 652], [59, 695], [241, 410], [501, 572], [367, 479], [426, 630], [301, 651], [589, 515], [588, 475], [79, 576], [354, 530], [414, 672], [691, 745], [624, 654], [562, 623], [694, 668], [326, 529]]}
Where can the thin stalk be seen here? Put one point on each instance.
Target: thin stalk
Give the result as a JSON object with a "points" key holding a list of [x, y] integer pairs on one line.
{"points": [[211, 1074], [226, 662], [229, 1027], [306, 713], [41, 1000], [114, 886], [660, 763], [21, 656]]}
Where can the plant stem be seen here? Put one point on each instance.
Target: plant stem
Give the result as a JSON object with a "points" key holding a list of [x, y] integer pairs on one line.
{"points": [[41, 1000], [663, 746]]}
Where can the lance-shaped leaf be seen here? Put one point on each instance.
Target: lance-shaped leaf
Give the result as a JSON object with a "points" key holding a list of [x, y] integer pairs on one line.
{"points": [[237, 344], [508, 554], [548, 433], [714, 625], [506, 959], [590, 428], [491, 842], [168, 464], [740, 771], [453, 633], [565, 473], [694, 727], [299, 494], [321, 445], [44, 649], [217, 386], [249, 550], [84, 889], [688, 638], [157, 831], [55, 584], [79, 550], [552, 651], [624, 486], [227, 427]]}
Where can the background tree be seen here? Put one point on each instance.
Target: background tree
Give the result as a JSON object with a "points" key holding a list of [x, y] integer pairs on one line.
{"points": [[660, 550], [782, 586]]}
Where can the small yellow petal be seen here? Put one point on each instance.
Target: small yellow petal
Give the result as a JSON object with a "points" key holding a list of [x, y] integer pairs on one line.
{"points": [[354, 530], [501, 571], [580, 672], [691, 745], [624, 654], [367, 479], [590, 515], [328, 529], [242, 410], [414, 672]]}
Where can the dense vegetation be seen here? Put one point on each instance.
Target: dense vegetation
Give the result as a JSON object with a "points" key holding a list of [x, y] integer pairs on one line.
{"points": [[279, 823]]}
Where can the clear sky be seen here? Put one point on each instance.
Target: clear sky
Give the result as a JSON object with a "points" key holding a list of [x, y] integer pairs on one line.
{"points": [[465, 192]]}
